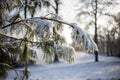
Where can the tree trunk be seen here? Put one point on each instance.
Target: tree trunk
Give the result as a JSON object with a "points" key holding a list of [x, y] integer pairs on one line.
{"points": [[25, 9], [56, 58], [108, 42], [95, 37], [96, 56], [57, 6]]}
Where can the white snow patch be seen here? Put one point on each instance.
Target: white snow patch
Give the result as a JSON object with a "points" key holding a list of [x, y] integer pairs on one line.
{"points": [[84, 68]]}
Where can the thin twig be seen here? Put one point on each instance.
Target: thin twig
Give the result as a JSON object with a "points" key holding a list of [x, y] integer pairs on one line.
{"points": [[12, 24]]}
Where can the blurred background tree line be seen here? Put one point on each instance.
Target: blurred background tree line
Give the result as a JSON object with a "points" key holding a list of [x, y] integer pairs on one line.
{"points": [[102, 19]]}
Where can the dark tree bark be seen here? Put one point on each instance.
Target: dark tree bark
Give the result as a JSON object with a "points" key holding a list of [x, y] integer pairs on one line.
{"points": [[108, 42], [57, 6], [96, 35], [25, 9], [96, 56]]}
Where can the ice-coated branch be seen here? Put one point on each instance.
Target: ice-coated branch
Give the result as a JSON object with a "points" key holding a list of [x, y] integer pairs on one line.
{"points": [[20, 39], [81, 36], [65, 52], [43, 18]]}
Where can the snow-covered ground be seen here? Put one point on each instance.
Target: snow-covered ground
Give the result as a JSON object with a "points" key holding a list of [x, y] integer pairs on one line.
{"points": [[84, 68]]}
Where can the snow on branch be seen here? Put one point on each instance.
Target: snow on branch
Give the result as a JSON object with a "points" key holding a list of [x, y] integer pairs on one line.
{"points": [[78, 34], [13, 15], [43, 27], [42, 18], [4, 64], [60, 39], [81, 36], [65, 52], [50, 48], [19, 39]]}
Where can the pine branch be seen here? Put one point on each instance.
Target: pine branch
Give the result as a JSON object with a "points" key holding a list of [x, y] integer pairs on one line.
{"points": [[20, 39], [12, 24], [60, 21], [4, 64], [44, 18]]}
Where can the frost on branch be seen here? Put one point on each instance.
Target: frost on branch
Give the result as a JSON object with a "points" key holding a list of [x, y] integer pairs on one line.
{"points": [[60, 39], [58, 26], [50, 48], [43, 27], [65, 52], [81, 36]]}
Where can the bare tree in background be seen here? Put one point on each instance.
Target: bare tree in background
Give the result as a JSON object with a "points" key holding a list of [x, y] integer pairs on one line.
{"points": [[90, 13], [95, 22]]}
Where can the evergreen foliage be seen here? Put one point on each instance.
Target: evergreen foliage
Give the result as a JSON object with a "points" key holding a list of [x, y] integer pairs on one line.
{"points": [[19, 34]]}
